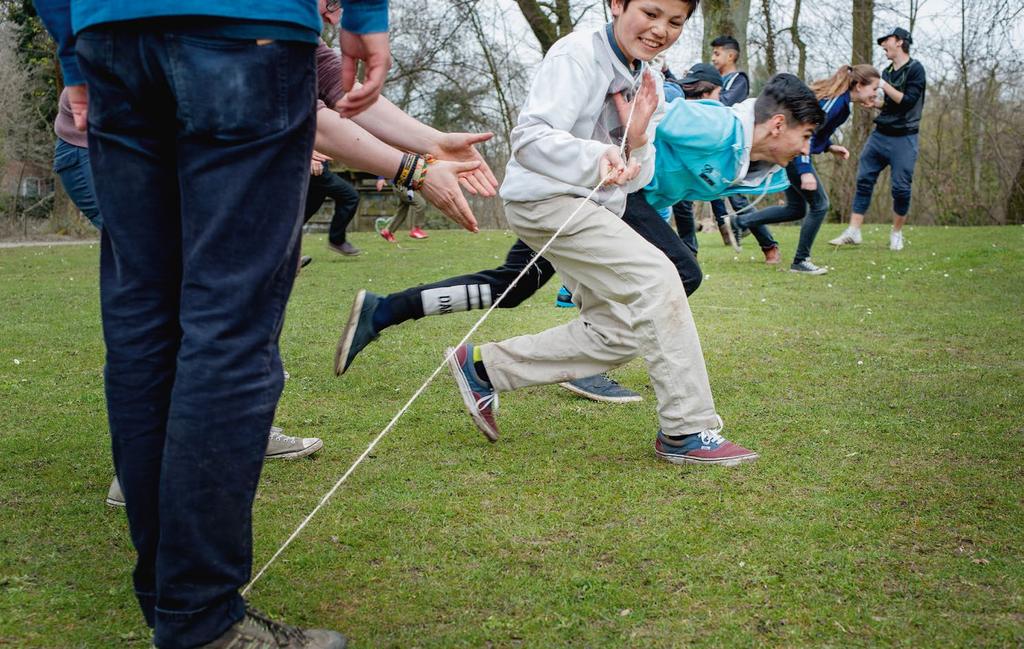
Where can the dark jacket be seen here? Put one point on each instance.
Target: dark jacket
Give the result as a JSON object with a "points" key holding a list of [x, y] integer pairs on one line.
{"points": [[735, 88], [837, 111], [903, 118]]}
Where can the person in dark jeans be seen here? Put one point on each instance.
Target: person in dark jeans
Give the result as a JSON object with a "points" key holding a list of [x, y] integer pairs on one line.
{"points": [[893, 143], [806, 198], [725, 54], [200, 133], [346, 201], [479, 291], [71, 163]]}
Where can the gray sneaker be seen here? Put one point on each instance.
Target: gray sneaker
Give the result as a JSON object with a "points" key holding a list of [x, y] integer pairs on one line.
{"points": [[257, 631], [601, 388], [115, 497], [805, 267], [345, 248], [286, 447]]}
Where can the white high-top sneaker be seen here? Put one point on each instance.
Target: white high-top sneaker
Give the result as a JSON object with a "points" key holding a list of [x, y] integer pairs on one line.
{"points": [[896, 240]]}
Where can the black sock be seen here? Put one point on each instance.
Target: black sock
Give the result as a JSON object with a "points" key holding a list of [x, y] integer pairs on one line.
{"points": [[481, 371]]}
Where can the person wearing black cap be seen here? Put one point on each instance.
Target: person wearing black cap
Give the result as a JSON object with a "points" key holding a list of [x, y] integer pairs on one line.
{"points": [[894, 140]]}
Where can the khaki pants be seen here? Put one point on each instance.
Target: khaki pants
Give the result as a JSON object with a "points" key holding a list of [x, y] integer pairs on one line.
{"points": [[631, 303]]}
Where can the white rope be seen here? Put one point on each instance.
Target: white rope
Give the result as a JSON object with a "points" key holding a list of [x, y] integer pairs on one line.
{"points": [[437, 370]]}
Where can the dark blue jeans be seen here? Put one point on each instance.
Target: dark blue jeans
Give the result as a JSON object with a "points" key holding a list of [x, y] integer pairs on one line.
{"points": [[346, 202], [809, 206], [739, 205], [71, 163], [880, 151], [200, 153], [686, 224]]}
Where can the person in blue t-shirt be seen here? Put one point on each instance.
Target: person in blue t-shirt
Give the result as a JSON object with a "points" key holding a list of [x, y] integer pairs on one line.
{"points": [[806, 198]]}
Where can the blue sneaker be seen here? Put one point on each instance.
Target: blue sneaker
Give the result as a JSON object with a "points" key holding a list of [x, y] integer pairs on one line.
{"points": [[358, 331], [564, 299], [601, 388], [706, 447], [481, 401]]}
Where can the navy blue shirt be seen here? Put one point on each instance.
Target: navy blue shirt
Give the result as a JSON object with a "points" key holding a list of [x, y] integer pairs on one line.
{"points": [[903, 118], [837, 111]]}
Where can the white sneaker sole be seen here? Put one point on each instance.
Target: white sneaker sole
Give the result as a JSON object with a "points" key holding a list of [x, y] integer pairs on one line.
{"points": [[820, 271], [467, 396], [599, 398], [682, 459], [348, 333], [292, 455]]}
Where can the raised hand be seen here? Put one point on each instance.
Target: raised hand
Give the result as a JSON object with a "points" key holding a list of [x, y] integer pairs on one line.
{"points": [[441, 189]]}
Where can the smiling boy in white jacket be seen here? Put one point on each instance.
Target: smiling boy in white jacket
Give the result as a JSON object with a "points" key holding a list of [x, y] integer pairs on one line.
{"points": [[630, 296]]}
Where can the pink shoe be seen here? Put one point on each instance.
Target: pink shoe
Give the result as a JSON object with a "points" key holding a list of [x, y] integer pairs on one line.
{"points": [[388, 236], [417, 233]]}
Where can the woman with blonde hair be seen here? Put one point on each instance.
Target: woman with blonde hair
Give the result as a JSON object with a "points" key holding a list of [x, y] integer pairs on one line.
{"points": [[806, 198]]}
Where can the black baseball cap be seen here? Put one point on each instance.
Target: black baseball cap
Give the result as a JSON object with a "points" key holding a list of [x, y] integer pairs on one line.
{"points": [[702, 72], [899, 33]]}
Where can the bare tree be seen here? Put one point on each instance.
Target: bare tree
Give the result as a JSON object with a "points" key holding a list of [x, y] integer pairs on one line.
{"points": [[769, 39]]}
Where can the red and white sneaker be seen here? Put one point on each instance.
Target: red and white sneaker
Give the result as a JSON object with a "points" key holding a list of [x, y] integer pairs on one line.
{"points": [[388, 236], [481, 400], [706, 447], [417, 233]]}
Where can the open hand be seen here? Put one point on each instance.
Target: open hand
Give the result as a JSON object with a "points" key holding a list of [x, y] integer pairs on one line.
{"points": [[840, 152], [460, 147], [441, 189], [643, 106]]}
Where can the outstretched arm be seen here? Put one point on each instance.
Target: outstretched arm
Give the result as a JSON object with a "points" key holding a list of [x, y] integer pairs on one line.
{"points": [[347, 142]]}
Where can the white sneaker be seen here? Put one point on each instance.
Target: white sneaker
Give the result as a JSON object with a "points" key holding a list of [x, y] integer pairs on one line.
{"points": [[286, 447], [896, 240], [848, 237], [115, 497], [805, 267]]}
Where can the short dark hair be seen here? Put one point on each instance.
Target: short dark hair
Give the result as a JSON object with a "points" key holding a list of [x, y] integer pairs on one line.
{"points": [[698, 89], [906, 46], [693, 5], [727, 42], [786, 94]]}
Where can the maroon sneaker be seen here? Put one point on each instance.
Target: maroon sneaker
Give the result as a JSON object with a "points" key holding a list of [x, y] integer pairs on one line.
{"points": [[480, 398], [705, 447]]}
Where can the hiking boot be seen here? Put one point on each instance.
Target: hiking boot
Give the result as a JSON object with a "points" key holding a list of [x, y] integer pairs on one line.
{"points": [[481, 400], [706, 447], [772, 256], [344, 248], [417, 233], [847, 238], [358, 331], [382, 223], [601, 388], [257, 631], [115, 497], [564, 299], [805, 267], [286, 447], [896, 240], [390, 238]]}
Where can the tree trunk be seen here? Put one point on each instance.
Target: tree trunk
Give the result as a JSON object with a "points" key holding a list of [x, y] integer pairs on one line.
{"points": [[798, 42], [863, 46], [1015, 203], [726, 18], [547, 21], [769, 38]]}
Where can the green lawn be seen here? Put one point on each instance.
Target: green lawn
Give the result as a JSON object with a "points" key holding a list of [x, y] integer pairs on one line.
{"points": [[886, 400]]}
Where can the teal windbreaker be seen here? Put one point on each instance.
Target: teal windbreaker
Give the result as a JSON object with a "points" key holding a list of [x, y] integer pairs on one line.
{"points": [[701, 148]]}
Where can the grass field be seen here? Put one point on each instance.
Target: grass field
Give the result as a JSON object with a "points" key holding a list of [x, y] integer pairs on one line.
{"points": [[886, 400]]}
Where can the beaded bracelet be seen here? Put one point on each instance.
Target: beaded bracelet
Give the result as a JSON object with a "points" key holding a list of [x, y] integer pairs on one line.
{"points": [[409, 161], [417, 180]]}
